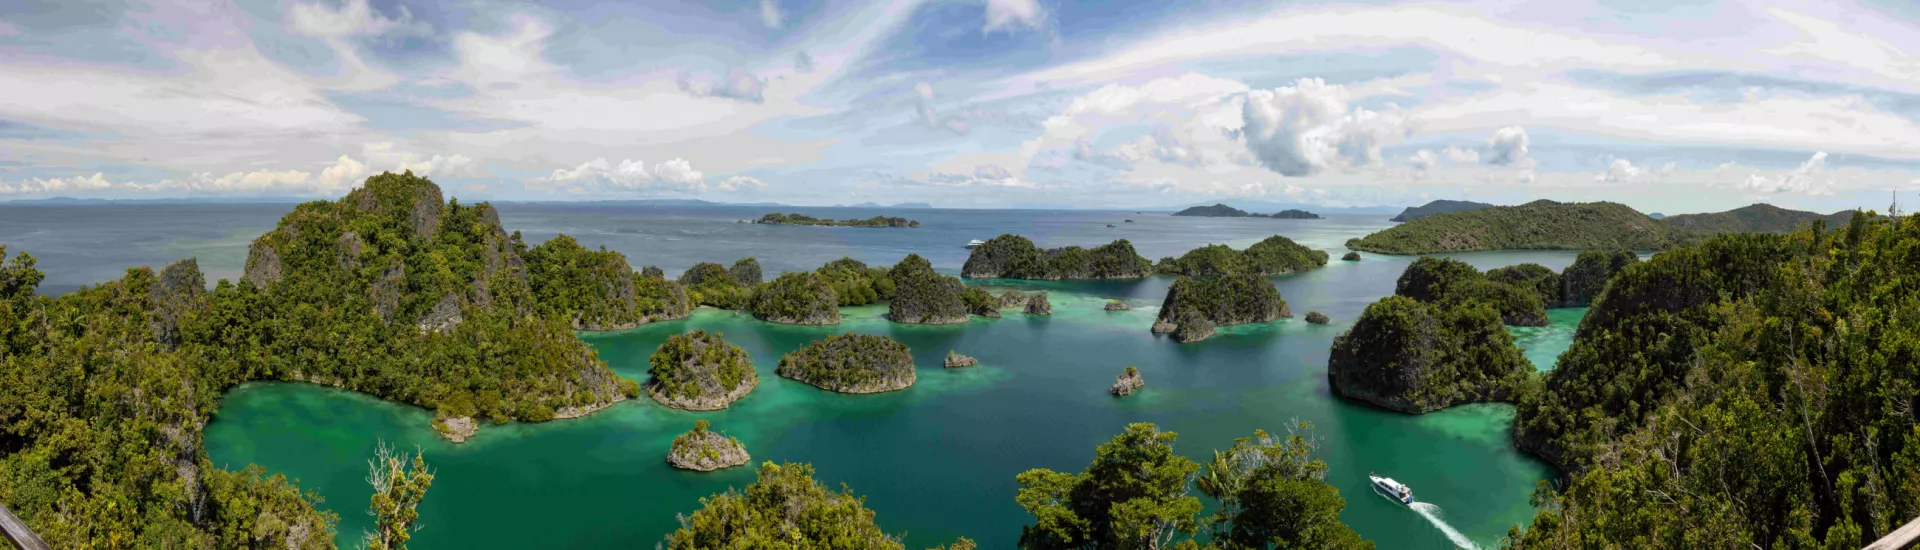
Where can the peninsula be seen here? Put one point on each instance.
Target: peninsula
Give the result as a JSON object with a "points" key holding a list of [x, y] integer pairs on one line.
{"points": [[1541, 224]]}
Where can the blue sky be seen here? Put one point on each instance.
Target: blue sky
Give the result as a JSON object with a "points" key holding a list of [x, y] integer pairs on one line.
{"points": [[1670, 106]]}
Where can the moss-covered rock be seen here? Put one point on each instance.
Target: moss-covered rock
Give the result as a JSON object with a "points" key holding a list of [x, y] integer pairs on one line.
{"points": [[851, 363], [1037, 304], [706, 451], [1350, 256], [1118, 305], [1414, 357], [922, 296], [699, 371], [796, 299], [955, 360], [1318, 318]]}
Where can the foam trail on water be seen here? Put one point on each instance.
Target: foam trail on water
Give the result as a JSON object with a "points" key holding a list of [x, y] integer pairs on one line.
{"points": [[1432, 513]]}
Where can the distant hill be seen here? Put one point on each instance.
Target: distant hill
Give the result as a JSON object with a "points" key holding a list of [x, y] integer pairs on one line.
{"points": [[1757, 218], [878, 205], [1263, 206], [1542, 224], [1437, 207], [64, 201], [1224, 211]]}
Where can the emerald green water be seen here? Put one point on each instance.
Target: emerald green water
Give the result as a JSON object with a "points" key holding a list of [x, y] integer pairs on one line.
{"points": [[1543, 345], [937, 460]]}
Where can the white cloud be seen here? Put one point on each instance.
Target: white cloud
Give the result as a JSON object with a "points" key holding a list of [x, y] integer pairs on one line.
{"points": [[1457, 155], [1423, 159], [1306, 128], [1010, 15], [1507, 145], [1187, 121], [770, 14], [738, 84], [1829, 41], [740, 183], [37, 186], [1620, 171], [351, 18], [598, 176], [1808, 179]]}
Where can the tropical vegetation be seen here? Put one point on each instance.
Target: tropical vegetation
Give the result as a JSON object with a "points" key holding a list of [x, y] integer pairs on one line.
{"points": [[803, 219], [1541, 224], [922, 296], [1274, 255], [797, 298], [851, 363], [1015, 257], [699, 370]]}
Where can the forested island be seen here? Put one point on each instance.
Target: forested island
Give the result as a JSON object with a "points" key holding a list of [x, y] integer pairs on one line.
{"points": [[704, 450], [596, 289], [803, 219], [1541, 224], [1224, 211], [1274, 255], [1195, 307], [796, 298], [1015, 257], [924, 297], [1437, 207], [699, 371], [851, 363]]}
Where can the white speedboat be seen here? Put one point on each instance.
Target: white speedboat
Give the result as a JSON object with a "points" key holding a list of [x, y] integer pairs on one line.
{"points": [[976, 243], [1392, 488]]}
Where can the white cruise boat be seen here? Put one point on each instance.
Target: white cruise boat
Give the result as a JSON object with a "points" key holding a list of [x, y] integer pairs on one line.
{"points": [[976, 243], [1392, 488]]}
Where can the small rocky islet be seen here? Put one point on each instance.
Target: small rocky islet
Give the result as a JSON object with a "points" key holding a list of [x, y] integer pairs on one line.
{"points": [[705, 450], [1128, 382]]}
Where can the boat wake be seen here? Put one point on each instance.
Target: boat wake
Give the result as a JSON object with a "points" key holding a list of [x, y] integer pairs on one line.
{"points": [[1432, 513]]}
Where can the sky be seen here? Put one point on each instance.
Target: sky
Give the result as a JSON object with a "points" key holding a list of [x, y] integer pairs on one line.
{"points": [[1665, 105]]}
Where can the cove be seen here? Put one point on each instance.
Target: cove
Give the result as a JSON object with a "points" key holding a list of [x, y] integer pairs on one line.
{"points": [[937, 460]]}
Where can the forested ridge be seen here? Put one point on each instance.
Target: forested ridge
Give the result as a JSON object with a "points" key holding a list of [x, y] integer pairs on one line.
{"points": [[1541, 224], [1755, 390]]}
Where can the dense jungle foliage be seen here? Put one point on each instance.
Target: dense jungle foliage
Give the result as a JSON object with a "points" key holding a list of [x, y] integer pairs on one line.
{"points": [[1015, 257], [923, 296], [1228, 300], [1274, 255], [1541, 224], [1756, 218], [596, 289], [1412, 356], [710, 284], [1446, 281], [1138, 493], [699, 367], [796, 298], [855, 284], [1589, 274], [851, 363], [1754, 390], [1437, 207]]}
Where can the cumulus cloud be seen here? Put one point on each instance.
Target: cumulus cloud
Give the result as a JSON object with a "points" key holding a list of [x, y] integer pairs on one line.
{"points": [[1620, 171], [1507, 146], [630, 176], [770, 14], [37, 186], [1162, 145], [1424, 159], [1012, 15], [335, 179], [737, 84], [351, 18], [1306, 128], [1807, 179], [1457, 155]]}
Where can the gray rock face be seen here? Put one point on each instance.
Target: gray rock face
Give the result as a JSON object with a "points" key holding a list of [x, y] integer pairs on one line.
{"points": [[1012, 298], [706, 451], [457, 429], [178, 289], [426, 212], [263, 265], [1127, 382], [1038, 304], [444, 316], [956, 361], [350, 245], [385, 293]]}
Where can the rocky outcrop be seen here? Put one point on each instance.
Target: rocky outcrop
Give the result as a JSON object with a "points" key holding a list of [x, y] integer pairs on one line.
{"points": [[349, 251], [1118, 305], [796, 298], [385, 292], [1318, 318], [1012, 298], [263, 264], [699, 371], [444, 316], [1583, 281], [955, 360], [456, 429], [1015, 257], [1216, 302], [1038, 304], [1414, 357], [1128, 381], [706, 451], [924, 297], [1350, 256], [653, 272], [178, 289], [1163, 326], [851, 363], [746, 272]]}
